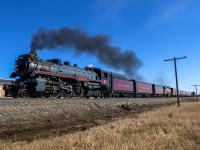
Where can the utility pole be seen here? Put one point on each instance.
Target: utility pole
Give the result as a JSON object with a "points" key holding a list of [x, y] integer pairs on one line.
{"points": [[196, 91], [177, 91]]}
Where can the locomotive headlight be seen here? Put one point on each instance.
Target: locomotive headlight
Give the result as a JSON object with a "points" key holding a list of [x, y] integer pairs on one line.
{"points": [[16, 68]]}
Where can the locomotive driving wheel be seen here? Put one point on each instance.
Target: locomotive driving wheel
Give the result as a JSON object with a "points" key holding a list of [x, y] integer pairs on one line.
{"points": [[24, 93], [44, 95], [67, 90], [77, 90], [55, 94], [55, 90]]}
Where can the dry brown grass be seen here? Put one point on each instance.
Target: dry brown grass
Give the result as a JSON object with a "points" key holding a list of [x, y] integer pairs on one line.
{"points": [[166, 128]]}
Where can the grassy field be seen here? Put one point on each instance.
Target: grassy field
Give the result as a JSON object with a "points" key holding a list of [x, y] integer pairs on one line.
{"points": [[166, 128]]}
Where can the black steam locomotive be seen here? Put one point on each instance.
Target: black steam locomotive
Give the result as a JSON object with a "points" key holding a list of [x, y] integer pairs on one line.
{"points": [[51, 78]]}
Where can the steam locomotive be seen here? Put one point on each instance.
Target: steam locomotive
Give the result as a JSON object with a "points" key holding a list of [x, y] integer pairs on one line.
{"points": [[51, 78]]}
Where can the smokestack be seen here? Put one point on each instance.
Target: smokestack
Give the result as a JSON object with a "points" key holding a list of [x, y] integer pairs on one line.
{"points": [[96, 45]]}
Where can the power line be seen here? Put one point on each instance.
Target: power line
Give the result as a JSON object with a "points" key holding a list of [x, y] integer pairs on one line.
{"points": [[177, 91]]}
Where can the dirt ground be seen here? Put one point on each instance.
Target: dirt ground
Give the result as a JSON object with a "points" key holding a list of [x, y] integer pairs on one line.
{"points": [[29, 119]]}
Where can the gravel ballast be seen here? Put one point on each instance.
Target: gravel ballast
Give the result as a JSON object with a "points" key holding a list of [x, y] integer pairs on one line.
{"points": [[22, 115]]}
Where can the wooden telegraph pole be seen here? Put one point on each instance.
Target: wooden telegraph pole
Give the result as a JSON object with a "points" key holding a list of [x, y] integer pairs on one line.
{"points": [[174, 59], [196, 91]]}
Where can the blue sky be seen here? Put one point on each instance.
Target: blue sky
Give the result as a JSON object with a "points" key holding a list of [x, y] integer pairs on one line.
{"points": [[154, 29]]}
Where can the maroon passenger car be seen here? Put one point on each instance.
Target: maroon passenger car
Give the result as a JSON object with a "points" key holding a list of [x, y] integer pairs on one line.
{"points": [[121, 86], [158, 90], [143, 89]]}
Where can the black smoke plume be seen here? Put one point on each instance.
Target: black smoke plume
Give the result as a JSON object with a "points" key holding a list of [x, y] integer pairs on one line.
{"points": [[97, 45]]}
